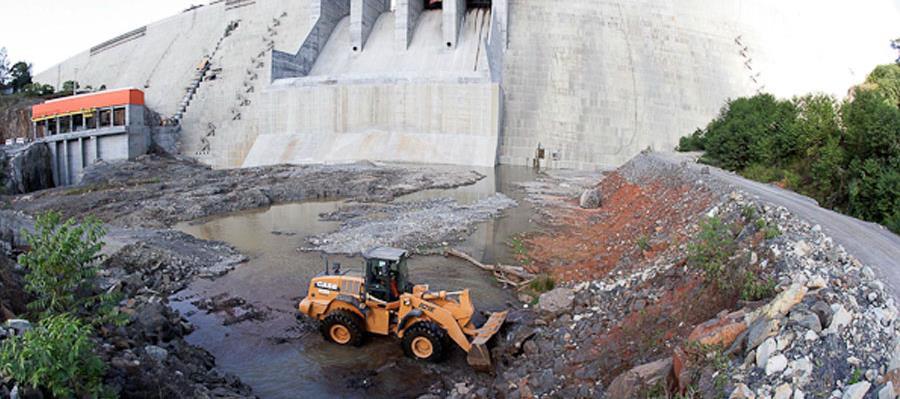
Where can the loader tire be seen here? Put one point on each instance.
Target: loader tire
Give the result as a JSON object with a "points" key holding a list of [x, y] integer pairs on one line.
{"points": [[426, 341], [343, 328]]}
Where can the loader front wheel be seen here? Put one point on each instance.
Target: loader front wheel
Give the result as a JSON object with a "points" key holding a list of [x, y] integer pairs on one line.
{"points": [[425, 341], [343, 328]]}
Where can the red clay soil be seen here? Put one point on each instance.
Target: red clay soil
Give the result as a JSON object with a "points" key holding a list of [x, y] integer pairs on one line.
{"points": [[634, 228], [588, 244]]}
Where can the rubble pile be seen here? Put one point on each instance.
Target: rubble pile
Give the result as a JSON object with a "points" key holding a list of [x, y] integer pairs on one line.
{"points": [[633, 319]]}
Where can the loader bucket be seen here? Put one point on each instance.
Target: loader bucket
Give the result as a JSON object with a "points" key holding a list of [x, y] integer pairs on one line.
{"points": [[479, 356]]}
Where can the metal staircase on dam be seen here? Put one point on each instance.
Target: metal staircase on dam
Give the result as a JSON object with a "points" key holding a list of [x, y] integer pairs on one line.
{"points": [[200, 74], [248, 84]]}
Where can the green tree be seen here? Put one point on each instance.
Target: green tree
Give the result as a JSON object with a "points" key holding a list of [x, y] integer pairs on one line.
{"points": [[37, 90], [20, 76], [886, 80], [819, 136], [58, 356], [62, 264], [70, 86], [758, 129]]}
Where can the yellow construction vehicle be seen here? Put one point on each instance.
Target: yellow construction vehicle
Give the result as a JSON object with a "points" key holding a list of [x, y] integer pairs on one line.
{"points": [[384, 302]]}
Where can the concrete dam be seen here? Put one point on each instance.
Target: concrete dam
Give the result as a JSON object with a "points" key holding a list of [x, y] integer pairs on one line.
{"points": [[591, 82]]}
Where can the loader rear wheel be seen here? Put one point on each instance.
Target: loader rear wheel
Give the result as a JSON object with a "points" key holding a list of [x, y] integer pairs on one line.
{"points": [[343, 328], [425, 341]]}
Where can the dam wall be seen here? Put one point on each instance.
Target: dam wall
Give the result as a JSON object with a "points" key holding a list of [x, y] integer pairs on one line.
{"points": [[592, 82]]}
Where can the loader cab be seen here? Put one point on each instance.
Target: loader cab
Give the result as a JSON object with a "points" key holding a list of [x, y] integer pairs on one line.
{"points": [[387, 275]]}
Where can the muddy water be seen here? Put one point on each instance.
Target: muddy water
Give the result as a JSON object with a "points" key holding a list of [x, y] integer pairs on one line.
{"points": [[282, 358]]}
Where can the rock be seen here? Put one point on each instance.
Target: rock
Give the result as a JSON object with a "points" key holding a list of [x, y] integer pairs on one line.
{"points": [[840, 318], [857, 391], [816, 282], [26, 169], [761, 329], [783, 391], [887, 391], [525, 298], [798, 394], [764, 351], [824, 312], [156, 353], [807, 319], [781, 305], [590, 198], [461, 388], [742, 391], [635, 383], [719, 332], [19, 325], [810, 335], [802, 249], [776, 364], [556, 301]]}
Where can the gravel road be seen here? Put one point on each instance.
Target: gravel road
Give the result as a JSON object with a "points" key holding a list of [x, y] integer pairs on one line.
{"points": [[871, 243]]}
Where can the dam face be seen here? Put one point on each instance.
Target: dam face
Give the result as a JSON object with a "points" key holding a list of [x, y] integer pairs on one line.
{"points": [[591, 82]]}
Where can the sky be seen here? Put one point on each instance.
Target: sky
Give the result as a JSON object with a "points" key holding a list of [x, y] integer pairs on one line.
{"points": [[46, 32]]}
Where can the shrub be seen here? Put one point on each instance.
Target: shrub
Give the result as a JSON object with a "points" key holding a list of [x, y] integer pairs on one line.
{"points": [[58, 356], [710, 252], [886, 79], [62, 264], [695, 142], [755, 288], [542, 283], [758, 129]]}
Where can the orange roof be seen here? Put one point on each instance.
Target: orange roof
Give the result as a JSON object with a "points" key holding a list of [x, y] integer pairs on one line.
{"points": [[88, 101]]}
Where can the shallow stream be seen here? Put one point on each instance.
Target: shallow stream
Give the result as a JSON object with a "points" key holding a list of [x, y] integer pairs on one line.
{"points": [[282, 358]]}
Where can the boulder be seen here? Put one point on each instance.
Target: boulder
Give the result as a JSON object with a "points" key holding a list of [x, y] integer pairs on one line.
{"points": [[761, 329], [721, 331], [557, 300], [857, 391], [26, 168], [765, 350], [156, 353], [637, 382], [839, 319], [19, 325], [742, 391], [781, 305], [776, 364], [590, 198], [783, 391]]}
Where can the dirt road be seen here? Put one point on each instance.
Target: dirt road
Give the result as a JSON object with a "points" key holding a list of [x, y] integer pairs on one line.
{"points": [[872, 244]]}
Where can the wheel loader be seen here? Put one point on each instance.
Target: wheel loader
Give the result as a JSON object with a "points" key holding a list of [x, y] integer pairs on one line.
{"points": [[384, 302]]}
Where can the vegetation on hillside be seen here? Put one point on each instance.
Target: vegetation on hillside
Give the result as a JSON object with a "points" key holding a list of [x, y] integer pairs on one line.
{"points": [[58, 356], [845, 154]]}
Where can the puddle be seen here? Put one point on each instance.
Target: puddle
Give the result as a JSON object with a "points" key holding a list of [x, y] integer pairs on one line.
{"points": [[277, 356]]}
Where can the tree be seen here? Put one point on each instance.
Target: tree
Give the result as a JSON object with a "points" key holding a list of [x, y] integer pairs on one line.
{"points": [[58, 355], [70, 86], [20, 76], [758, 129], [4, 67], [62, 264]]}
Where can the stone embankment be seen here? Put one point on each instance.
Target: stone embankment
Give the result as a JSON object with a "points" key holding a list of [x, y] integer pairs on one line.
{"points": [[636, 316]]}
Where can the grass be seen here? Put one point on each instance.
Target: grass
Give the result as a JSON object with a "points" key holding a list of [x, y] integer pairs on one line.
{"points": [[643, 243], [755, 288], [542, 283]]}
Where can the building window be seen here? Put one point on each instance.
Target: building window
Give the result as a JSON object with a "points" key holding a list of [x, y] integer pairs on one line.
{"points": [[105, 120], [40, 129], [51, 126], [119, 117], [90, 121], [65, 124], [77, 123]]}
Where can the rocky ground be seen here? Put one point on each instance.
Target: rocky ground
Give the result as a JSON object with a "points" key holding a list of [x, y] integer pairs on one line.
{"points": [[422, 226], [148, 263], [634, 319], [157, 192]]}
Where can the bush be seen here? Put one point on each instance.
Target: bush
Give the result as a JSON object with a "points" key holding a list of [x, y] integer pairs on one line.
{"points": [[710, 252], [845, 156], [62, 264], [758, 129], [695, 142], [58, 356]]}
